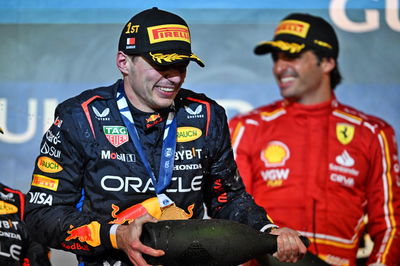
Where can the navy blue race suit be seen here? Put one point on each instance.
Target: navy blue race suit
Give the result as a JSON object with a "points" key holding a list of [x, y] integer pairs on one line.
{"points": [[88, 164]]}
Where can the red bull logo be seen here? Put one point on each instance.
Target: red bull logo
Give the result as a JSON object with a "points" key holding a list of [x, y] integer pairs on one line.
{"points": [[151, 206], [153, 120], [89, 233]]}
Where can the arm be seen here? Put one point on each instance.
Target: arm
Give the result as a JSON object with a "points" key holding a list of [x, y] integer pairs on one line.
{"points": [[231, 201], [226, 195], [52, 215], [383, 197]]}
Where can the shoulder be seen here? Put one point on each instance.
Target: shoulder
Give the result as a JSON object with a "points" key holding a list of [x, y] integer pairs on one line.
{"points": [[188, 98], [267, 113], [361, 119], [89, 96]]}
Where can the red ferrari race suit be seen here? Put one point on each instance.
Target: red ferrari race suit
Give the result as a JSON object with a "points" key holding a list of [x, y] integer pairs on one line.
{"points": [[322, 170]]}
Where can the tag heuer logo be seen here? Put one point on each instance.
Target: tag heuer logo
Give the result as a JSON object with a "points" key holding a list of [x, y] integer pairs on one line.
{"points": [[116, 135]]}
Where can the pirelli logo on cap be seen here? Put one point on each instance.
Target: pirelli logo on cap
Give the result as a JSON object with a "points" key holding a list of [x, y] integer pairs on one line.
{"points": [[168, 32], [294, 27], [45, 182]]}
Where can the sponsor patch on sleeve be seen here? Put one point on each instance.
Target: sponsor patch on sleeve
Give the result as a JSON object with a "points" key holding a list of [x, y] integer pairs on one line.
{"points": [[45, 182]]}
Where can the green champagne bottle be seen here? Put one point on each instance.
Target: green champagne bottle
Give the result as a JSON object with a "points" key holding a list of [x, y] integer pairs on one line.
{"points": [[206, 242]]}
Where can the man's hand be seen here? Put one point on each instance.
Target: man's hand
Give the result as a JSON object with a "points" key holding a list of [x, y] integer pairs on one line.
{"points": [[290, 247], [128, 240]]}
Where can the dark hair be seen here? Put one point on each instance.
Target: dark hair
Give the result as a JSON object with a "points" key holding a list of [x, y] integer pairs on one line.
{"points": [[335, 75]]}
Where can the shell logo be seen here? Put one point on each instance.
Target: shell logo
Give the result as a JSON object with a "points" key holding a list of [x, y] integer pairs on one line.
{"points": [[275, 154]]}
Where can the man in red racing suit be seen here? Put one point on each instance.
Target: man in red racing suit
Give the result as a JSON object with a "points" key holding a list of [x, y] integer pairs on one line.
{"points": [[320, 167]]}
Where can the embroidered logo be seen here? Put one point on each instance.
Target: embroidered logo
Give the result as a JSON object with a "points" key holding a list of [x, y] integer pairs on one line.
{"points": [[103, 115], [275, 154], [345, 159], [196, 113], [116, 135], [344, 133]]}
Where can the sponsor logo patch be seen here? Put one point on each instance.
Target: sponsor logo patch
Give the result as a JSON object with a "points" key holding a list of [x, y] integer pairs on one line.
{"points": [[48, 165], [294, 27], [50, 150], [41, 198], [193, 153], [103, 115], [153, 120], [168, 32], [116, 135], [54, 139], [7, 208], [186, 134], [275, 154], [45, 182], [89, 233], [125, 157], [8, 196], [344, 133], [58, 122], [345, 159], [194, 113]]}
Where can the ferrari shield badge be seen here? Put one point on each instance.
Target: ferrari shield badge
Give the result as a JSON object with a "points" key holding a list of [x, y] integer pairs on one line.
{"points": [[344, 133]]}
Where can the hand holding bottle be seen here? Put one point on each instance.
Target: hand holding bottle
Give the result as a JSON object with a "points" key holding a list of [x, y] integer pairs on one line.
{"points": [[290, 247], [128, 240]]}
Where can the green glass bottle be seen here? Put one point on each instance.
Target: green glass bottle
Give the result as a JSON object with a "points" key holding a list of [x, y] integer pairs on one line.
{"points": [[206, 242]]}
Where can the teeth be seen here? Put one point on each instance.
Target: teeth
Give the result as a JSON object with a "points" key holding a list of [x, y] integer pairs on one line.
{"points": [[287, 79], [167, 89]]}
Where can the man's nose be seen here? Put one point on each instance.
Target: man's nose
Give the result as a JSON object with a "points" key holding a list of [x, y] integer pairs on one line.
{"points": [[281, 65], [174, 74]]}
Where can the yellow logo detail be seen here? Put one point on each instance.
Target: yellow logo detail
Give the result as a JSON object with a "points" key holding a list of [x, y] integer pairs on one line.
{"points": [[294, 27], [275, 183], [324, 44], [275, 154], [45, 182], [168, 32], [344, 133], [292, 48], [48, 165], [7, 208], [186, 134], [160, 57], [89, 233]]}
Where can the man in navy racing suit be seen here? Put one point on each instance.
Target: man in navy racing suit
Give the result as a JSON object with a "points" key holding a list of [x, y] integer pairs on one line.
{"points": [[139, 150]]}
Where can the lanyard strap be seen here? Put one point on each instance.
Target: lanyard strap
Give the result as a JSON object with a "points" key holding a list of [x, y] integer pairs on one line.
{"points": [[167, 152]]}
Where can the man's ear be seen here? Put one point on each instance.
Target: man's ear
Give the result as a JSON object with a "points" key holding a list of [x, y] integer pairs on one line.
{"points": [[328, 64], [122, 62]]}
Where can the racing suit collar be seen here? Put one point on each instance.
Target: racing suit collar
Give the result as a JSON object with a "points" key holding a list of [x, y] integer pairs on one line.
{"points": [[319, 108]]}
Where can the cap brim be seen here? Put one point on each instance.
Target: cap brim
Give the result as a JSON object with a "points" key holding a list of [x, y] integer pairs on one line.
{"points": [[282, 46], [167, 58]]}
